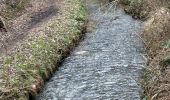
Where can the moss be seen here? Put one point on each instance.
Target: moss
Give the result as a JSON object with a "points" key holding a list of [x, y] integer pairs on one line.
{"points": [[26, 69]]}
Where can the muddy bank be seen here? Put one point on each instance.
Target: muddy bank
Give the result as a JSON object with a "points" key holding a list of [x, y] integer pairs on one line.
{"points": [[106, 65]]}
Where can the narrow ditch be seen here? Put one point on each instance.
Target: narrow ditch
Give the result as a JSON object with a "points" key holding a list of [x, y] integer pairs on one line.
{"points": [[107, 63]]}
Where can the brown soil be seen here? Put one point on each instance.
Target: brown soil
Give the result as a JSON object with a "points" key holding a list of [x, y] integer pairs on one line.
{"points": [[32, 19]]}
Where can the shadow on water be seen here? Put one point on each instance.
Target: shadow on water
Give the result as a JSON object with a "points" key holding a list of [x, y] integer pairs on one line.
{"points": [[107, 63]]}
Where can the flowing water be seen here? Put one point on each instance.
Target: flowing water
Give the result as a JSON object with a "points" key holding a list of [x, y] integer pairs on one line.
{"points": [[107, 63]]}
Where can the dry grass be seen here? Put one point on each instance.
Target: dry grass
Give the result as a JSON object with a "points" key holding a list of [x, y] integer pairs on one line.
{"points": [[156, 82], [157, 31], [156, 34]]}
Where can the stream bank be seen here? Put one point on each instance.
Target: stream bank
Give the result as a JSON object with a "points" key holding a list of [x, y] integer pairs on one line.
{"points": [[33, 60], [155, 35], [107, 63]]}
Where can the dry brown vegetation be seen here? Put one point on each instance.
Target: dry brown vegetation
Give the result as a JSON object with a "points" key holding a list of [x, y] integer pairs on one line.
{"points": [[156, 78], [157, 34]]}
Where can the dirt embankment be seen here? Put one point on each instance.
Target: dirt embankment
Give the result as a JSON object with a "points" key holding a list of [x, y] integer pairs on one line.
{"points": [[36, 40], [156, 36]]}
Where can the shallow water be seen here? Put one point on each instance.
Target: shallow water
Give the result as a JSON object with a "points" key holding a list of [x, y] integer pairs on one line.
{"points": [[107, 63]]}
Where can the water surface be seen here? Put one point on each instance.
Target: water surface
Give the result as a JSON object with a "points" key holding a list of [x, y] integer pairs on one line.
{"points": [[106, 65]]}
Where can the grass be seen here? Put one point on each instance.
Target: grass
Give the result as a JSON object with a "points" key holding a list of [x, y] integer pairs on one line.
{"points": [[24, 70]]}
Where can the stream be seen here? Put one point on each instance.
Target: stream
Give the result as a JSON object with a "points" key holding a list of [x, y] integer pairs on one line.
{"points": [[106, 65]]}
